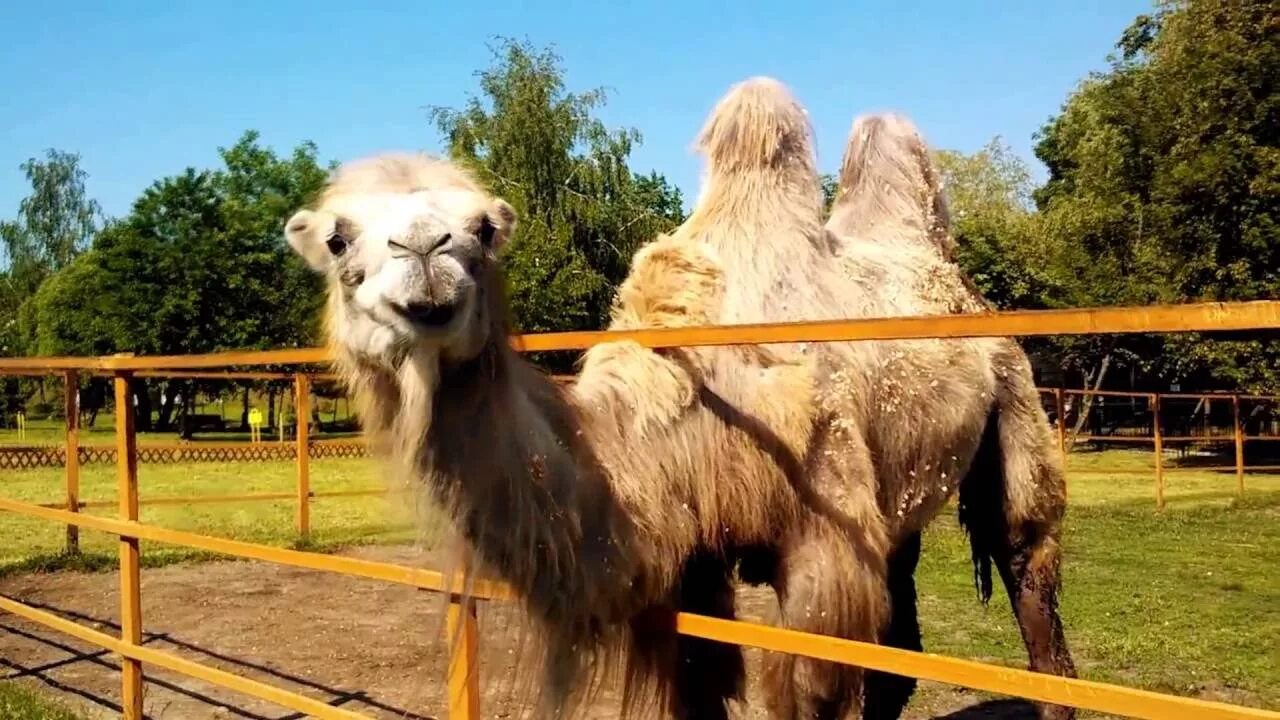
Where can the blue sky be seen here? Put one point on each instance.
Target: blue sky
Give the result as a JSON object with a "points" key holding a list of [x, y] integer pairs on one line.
{"points": [[145, 89]]}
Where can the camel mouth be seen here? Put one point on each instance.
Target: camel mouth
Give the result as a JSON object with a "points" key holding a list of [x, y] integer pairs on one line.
{"points": [[426, 315]]}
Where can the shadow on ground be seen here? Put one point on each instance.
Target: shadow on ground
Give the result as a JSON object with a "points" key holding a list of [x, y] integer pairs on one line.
{"points": [[994, 710], [100, 658]]}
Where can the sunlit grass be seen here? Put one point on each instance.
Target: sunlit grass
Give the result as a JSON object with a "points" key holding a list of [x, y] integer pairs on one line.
{"points": [[1184, 601], [18, 702], [335, 522]]}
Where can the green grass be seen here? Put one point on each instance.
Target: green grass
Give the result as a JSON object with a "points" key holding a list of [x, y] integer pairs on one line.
{"points": [[53, 432], [1180, 601], [30, 543], [17, 702]]}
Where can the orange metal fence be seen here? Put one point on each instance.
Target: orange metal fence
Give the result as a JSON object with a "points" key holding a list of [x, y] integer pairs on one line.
{"points": [[463, 695]]}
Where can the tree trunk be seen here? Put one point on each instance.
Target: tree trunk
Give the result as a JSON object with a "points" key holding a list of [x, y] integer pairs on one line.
{"points": [[271, 407], [244, 412], [94, 397], [1086, 402], [138, 388], [187, 409], [164, 420]]}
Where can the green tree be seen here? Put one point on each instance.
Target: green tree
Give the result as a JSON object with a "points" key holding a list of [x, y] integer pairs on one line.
{"points": [[54, 224], [197, 266], [583, 211], [989, 197], [1165, 177]]}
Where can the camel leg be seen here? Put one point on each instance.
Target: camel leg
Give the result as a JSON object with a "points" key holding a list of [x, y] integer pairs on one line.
{"points": [[830, 585], [1028, 565], [886, 694], [707, 673], [1012, 503]]}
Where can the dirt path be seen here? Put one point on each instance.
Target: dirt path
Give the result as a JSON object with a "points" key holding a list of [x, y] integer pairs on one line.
{"points": [[361, 644]]}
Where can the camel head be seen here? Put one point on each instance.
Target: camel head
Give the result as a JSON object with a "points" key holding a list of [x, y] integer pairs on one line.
{"points": [[409, 245]]}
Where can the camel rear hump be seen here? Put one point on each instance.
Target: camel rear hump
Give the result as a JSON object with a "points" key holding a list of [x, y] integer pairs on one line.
{"points": [[888, 180]]}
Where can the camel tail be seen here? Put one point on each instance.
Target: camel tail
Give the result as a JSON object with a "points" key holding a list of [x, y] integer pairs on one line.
{"points": [[982, 506], [887, 176], [1015, 491], [757, 125]]}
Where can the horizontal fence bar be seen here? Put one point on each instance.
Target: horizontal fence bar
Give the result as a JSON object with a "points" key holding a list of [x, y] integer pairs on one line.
{"points": [[211, 499], [1196, 317], [169, 661], [399, 574], [1112, 393], [1086, 694]]}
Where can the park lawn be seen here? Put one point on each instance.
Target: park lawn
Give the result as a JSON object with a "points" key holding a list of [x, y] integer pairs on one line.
{"points": [[335, 522], [18, 702], [1185, 601], [54, 432]]}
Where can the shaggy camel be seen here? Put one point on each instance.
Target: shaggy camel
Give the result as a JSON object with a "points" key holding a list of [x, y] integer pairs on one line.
{"points": [[592, 502], [640, 488], [917, 421]]}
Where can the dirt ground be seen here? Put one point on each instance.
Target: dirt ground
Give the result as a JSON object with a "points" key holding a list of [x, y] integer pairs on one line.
{"points": [[363, 645]]}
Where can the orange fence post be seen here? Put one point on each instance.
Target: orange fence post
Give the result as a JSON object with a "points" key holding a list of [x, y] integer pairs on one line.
{"points": [[1238, 432], [130, 580], [1158, 436], [464, 671], [71, 408], [302, 410], [1062, 422]]}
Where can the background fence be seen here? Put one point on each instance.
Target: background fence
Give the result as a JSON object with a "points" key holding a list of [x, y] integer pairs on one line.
{"points": [[462, 674]]}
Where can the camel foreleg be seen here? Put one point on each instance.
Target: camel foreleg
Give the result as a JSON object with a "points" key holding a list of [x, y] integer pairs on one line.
{"points": [[707, 673], [886, 694], [827, 584]]}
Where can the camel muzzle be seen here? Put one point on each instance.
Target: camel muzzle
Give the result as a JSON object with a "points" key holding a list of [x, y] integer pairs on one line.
{"points": [[430, 315]]}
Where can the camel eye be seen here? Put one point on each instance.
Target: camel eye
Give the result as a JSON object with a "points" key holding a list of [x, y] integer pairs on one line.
{"points": [[340, 240]]}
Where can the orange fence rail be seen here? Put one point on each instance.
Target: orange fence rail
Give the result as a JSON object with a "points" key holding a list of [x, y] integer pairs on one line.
{"points": [[463, 698]]}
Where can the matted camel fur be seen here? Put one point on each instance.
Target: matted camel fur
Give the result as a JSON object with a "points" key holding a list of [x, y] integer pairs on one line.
{"points": [[658, 477], [922, 420]]}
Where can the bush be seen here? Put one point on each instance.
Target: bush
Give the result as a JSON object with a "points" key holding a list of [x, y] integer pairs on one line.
{"points": [[40, 411]]}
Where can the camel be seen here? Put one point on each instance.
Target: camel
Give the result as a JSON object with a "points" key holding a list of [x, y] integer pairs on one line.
{"points": [[590, 501], [922, 420], [640, 488]]}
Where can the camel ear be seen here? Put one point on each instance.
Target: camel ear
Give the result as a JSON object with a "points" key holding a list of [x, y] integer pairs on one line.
{"points": [[309, 233], [498, 224]]}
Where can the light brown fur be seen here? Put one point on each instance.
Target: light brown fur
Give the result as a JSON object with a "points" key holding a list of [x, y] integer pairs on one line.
{"points": [[638, 489], [592, 501], [921, 419]]}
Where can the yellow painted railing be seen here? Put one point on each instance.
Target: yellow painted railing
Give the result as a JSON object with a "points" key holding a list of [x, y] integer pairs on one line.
{"points": [[463, 696]]}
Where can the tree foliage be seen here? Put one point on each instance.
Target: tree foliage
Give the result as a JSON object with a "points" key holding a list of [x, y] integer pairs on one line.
{"points": [[583, 211], [989, 197], [54, 225], [198, 265], [1165, 177]]}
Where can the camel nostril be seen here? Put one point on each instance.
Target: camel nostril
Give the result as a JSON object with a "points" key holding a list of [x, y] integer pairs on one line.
{"points": [[440, 242], [426, 314]]}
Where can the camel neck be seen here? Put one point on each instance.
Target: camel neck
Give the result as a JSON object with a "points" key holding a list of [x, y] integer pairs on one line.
{"points": [[526, 489]]}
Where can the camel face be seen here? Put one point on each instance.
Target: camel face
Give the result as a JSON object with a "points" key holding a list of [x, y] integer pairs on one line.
{"points": [[407, 268]]}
